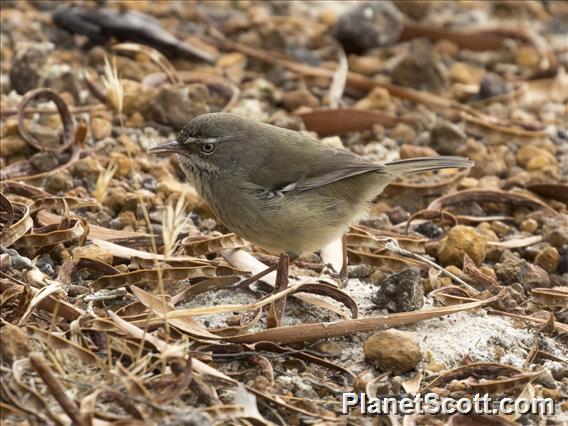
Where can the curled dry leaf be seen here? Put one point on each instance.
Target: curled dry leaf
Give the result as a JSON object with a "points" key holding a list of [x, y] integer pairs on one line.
{"points": [[496, 132], [198, 246], [95, 232], [49, 303], [490, 196], [385, 263], [333, 292], [556, 191], [50, 235], [303, 355], [556, 325], [362, 236], [128, 253], [517, 242], [16, 221], [7, 212], [42, 294], [14, 300], [166, 348], [451, 295], [161, 308], [247, 320], [482, 369], [152, 276], [67, 119], [66, 203], [442, 184], [61, 343], [22, 189], [474, 39], [430, 214], [23, 170], [157, 57]]}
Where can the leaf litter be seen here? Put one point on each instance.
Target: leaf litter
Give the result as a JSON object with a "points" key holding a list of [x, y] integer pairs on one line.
{"points": [[124, 300]]}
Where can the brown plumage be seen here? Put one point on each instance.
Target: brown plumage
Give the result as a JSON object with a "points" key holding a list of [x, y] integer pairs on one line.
{"points": [[281, 190]]}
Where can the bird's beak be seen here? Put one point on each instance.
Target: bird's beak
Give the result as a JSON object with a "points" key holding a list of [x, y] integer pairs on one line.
{"points": [[168, 147]]}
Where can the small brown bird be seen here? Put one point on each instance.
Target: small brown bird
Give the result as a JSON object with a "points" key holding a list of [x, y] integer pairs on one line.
{"points": [[279, 189]]}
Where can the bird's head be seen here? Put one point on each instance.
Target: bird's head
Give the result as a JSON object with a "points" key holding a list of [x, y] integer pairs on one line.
{"points": [[215, 144]]}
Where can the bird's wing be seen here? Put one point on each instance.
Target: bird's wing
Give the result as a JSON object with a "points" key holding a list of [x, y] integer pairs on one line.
{"points": [[296, 171]]}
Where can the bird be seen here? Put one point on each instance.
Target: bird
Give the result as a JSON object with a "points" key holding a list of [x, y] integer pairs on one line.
{"points": [[282, 190]]}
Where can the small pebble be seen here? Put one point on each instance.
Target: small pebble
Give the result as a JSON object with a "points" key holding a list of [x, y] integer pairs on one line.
{"points": [[529, 225], [401, 292], [430, 230], [459, 241], [548, 259], [372, 24], [393, 350], [512, 268]]}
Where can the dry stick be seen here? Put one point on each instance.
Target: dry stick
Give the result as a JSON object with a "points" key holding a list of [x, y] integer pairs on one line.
{"points": [[560, 327], [315, 331], [57, 390]]}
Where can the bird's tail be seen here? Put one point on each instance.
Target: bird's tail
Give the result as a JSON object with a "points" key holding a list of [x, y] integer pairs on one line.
{"points": [[425, 164]]}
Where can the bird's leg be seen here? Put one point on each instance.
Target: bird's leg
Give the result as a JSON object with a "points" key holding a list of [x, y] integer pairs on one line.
{"points": [[334, 257], [277, 308], [343, 272]]}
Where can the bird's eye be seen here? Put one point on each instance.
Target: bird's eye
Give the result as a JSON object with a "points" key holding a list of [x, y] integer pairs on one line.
{"points": [[207, 148]]}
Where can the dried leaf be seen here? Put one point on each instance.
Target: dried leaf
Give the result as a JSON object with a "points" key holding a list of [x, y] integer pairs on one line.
{"points": [[326, 122], [161, 308], [198, 246], [152, 276], [315, 331]]}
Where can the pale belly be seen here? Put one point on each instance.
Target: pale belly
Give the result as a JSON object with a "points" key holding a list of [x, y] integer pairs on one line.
{"points": [[296, 223], [299, 223]]}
